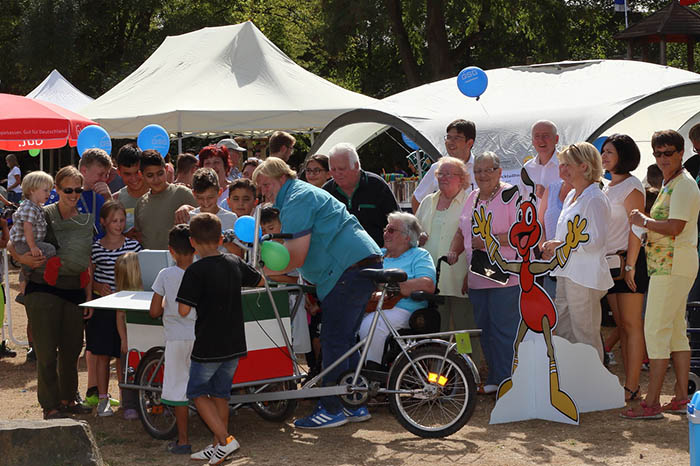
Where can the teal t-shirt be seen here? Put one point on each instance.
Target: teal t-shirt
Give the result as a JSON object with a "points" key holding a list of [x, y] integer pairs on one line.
{"points": [[416, 262], [337, 239]]}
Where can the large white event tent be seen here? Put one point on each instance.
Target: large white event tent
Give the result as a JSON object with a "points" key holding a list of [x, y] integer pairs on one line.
{"points": [[58, 90], [228, 79], [586, 99]]}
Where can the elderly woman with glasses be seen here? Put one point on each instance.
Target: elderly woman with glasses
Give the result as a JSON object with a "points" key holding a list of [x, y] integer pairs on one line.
{"points": [[672, 263], [585, 278], [401, 251], [439, 215], [495, 302]]}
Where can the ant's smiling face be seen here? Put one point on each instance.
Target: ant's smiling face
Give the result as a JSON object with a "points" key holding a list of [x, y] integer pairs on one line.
{"points": [[525, 233]]}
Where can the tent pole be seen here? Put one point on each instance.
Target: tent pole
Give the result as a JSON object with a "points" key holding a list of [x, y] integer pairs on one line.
{"points": [[41, 159], [179, 143]]}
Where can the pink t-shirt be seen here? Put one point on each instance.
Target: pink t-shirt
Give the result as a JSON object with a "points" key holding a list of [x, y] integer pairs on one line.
{"points": [[503, 217]]}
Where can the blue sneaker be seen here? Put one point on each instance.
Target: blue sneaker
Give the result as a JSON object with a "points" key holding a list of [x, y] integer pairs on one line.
{"points": [[360, 414], [320, 419]]}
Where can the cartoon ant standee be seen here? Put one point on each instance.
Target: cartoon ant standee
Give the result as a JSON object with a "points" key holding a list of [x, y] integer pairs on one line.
{"points": [[537, 311]]}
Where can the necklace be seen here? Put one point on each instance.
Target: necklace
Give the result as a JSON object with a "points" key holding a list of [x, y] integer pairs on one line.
{"points": [[491, 196], [675, 174]]}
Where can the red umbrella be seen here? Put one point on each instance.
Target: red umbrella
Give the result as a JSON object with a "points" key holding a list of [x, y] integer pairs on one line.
{"points": [[36, 124]]}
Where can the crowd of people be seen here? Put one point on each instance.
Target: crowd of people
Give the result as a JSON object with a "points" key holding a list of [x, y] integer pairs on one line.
{"points": [[78, 242]]}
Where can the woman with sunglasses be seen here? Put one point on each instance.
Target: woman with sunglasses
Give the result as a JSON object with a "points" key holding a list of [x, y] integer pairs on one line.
{"points": [[317, 170], [672, 263], [585, 278], [57, 321]]}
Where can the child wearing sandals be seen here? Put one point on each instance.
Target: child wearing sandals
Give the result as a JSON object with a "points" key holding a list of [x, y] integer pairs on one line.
{"points": [[102, 335], [213, 285], [179, 333]]}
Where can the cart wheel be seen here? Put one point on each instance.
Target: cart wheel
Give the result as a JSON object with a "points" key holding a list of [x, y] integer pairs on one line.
{"points": [[693, 383], [354, 399], [158, 419], [274, 411], [444, 405]]}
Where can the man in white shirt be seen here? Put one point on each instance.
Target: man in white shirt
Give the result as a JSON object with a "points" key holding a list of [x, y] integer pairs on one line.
{"points": [[458, 143], [544, 168]]}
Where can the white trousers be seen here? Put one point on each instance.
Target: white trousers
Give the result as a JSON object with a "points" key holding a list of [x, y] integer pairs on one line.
{"points": [[579, 313], [396, 316]]}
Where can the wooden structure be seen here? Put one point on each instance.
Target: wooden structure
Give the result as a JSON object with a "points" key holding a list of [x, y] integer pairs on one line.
{"points": [[672, 23]]}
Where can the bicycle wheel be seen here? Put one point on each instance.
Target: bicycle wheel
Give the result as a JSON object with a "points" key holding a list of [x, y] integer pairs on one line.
{"points": [[440, 407], [275, 411], [157, 418]]}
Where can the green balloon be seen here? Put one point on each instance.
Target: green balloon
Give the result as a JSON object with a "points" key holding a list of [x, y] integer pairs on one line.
{"points": [[275, 255], [34, 152]]}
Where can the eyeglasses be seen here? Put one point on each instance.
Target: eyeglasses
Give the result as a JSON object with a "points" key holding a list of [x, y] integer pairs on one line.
{"points": [[315, 171], [391, 230], [665, 153], [447, 175], [449, 137], [485, 171], [72, 190]]}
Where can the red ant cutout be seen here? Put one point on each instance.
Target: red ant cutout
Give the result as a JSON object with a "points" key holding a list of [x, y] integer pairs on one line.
{"points": [[537, 310]]}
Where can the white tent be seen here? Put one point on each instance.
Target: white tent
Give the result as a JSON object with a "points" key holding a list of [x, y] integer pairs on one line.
{"points": [[585, 99], [221, 79], [58, 90]]}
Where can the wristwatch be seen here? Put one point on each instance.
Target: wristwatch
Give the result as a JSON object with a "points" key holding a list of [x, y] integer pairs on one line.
{"points": [[646, 219], [628, 268]]}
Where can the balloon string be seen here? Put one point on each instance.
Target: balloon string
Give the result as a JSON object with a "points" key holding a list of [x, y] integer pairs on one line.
{"points": [[482, 107]]}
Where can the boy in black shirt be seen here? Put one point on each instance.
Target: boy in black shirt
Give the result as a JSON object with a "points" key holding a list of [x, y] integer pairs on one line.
{"points": [[213, 286]]}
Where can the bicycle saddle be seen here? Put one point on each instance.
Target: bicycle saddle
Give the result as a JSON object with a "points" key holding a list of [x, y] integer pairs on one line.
{"points": [[384, 275]]}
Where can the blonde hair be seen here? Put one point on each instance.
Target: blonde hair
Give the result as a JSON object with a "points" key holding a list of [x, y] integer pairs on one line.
{"points": [[68, 172], [95, 155], [36, 180], [273, 167], [127, 273], [584, 153], [457, 163]]}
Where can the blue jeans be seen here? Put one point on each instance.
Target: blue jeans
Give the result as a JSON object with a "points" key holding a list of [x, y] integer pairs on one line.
{"points": [[497, 314], [550, 286], [211, 378], [342, 312]]}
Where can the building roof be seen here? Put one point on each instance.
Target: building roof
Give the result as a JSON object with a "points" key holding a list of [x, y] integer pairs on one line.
{"points": [[674, 22]]}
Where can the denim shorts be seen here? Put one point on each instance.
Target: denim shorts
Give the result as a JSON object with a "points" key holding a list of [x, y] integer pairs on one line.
{"points": [[211, 378]]}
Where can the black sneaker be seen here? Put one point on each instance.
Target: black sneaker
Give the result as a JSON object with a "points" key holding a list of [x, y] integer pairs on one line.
{"points": [[31, 354], [5, 351], [19, 299]]}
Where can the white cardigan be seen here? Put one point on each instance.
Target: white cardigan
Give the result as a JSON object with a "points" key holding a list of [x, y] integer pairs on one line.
{"points": [[587, 265]]}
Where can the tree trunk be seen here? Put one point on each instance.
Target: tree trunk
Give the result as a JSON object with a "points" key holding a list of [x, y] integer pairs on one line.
{"points": [[438, 47], [408, 60]]}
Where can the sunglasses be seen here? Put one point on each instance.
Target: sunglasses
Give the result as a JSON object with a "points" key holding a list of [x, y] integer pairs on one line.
{"points": [[72, 190], [665, 153]]}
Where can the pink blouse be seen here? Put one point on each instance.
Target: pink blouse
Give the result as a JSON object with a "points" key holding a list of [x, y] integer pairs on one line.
{"points": [[503, 217]]}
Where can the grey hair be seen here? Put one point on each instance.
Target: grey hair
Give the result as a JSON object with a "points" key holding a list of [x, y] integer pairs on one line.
{"points": [[545, 122], [347, 149], [488, 155], [410, 222]]}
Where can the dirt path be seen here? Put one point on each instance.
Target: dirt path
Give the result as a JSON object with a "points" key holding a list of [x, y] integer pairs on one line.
{"points": [[602, 438]]}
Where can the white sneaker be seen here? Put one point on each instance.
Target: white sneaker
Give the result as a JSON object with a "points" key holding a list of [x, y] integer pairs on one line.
{"points": [[203, 454], [103, 408], [223, 451]]}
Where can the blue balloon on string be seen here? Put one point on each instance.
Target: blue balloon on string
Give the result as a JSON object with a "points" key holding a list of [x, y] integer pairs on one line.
{"points": [[409, 142], [244, 229], [94, 137], [154, 137], [607, 175], [472, 81], [598, 143]]}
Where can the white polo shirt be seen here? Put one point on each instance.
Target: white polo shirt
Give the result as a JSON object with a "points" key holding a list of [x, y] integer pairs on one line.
{"points": [[542, 174]]}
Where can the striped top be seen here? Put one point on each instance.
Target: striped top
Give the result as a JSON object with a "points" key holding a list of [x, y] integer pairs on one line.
{"points": [[103, 259]]}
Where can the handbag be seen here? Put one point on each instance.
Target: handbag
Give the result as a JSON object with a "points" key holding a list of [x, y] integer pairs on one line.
{"points": [[616, 263], [481, 265]]}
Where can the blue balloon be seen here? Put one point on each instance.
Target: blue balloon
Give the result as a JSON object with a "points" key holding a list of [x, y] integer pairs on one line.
{"points": [[154, 137], [472, 81], [409, 142], [94, 137], [245, 228], [607, 175], [598, 143]]}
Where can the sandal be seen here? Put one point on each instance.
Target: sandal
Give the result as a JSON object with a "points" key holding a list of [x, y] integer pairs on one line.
{"points": [[647, 412], [74, 408], [53, 414], [632, 394], [486, 389], [676, 406]]}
